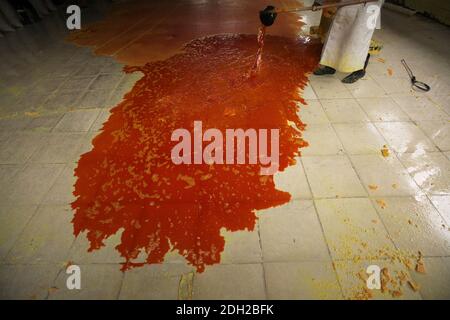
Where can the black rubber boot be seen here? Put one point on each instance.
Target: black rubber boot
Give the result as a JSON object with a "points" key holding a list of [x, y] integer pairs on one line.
{"points": [[355, 76], [324, 70]]}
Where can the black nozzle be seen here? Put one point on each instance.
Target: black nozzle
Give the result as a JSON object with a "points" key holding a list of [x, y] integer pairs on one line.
{"points": [[268, 16]]}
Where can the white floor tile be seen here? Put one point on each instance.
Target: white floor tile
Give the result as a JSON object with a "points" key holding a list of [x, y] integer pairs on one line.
{"points": [[59, 148], [47, 238], [62, 190], [29, 282], [352, 228], [442, 203], [14, 124], [366, 88], [322, 140], [241, 247], [77, 121], [420, 108], [344, 111], [13, 219], [99, 281], [353, 277], [30, 184], [415, 225], [443, 102], [293, 180], [394, 85], [360, 138], [405, 137], [140, 283], [332, 176], [431, 171], [100, 120], [329, 88], [79, 253], [94, 99], [105, 82], [44, 123], [434, 284], [438, 132], [382, 109], [384, 176], [232, 281], [292, 232], [313, 113], [19, 147], [301, 280], [308, 93]]}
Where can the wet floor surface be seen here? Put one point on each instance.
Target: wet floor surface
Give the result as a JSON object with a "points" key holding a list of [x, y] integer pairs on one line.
{"points": [[349, 205]]}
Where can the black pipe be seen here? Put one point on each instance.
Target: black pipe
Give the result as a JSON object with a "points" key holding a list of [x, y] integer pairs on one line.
{"points": [[268, 16]]}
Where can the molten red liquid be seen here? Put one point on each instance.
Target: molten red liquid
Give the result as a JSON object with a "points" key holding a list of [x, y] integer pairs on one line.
{"points": [[128, 181]]}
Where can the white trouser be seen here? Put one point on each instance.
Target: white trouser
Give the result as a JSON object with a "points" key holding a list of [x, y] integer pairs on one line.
{"points": [[348, 40]]}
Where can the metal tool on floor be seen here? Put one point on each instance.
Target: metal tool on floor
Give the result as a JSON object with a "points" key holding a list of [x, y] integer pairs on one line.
{"points": [[422, 86], [269, 14]]}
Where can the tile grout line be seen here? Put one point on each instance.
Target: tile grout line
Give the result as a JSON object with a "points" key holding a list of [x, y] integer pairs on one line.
{"points": [[81, 95], [391, 240], [266, 293], [362, 182], [156, 24], [404, 167], [323, 234], [317, 213], [107, 100], [365, 187]]}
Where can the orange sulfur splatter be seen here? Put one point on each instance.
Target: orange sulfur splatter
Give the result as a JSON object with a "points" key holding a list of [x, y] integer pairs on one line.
{"points": [[381, 203], [385, 151], [128, 182]]}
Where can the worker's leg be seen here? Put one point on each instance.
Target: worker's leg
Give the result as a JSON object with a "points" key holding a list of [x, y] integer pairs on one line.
{"points": [[355, 76]]}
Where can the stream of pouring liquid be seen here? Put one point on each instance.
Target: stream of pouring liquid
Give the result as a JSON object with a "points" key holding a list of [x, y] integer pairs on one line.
{"points": [[258, 60], [128, 182]]}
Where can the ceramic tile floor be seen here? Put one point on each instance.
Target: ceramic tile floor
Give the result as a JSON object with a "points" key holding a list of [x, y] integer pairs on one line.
{"points": [[351, 206]]}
